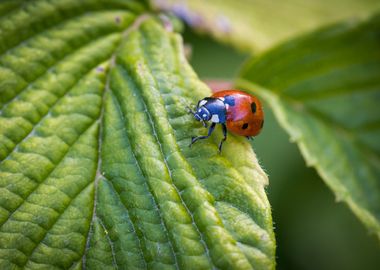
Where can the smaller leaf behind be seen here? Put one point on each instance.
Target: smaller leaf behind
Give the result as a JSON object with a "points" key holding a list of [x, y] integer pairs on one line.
{"points": [[259, 24], [324, 89]]}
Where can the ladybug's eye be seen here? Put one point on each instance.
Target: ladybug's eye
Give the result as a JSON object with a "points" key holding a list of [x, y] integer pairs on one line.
{"points": [[202, 102]]}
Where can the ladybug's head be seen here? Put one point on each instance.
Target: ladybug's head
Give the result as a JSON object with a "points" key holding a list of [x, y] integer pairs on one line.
{"points": [[201, 113]]}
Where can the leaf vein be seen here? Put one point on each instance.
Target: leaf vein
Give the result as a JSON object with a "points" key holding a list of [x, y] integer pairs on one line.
{"points": [[148, 188], [48, 175]]}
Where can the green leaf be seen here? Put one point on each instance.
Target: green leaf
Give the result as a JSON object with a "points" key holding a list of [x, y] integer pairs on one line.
{"points": [[96, 169], [258, 24], [324, 89]]}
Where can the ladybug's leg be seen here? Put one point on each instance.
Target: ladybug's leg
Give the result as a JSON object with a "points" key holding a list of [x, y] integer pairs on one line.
{"points": [[210, 130], [224, 138]]}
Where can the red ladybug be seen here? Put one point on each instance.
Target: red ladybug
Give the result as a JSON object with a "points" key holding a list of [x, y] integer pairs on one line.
{"points": [[235, 110]]}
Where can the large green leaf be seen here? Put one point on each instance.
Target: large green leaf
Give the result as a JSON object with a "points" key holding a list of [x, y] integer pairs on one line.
{"points": [[325, 91], [258, 24], [95, 166]]}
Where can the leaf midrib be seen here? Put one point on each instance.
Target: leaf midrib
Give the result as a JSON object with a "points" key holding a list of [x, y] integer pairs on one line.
{"points": [[149, 113], [138, 164], [135, 24]]}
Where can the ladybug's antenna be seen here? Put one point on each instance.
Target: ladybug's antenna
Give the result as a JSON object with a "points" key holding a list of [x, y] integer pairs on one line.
{"points": [[189, 110]]}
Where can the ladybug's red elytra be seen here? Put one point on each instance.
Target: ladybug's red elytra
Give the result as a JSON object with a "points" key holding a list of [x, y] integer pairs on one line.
{"points": [[237, 111]]}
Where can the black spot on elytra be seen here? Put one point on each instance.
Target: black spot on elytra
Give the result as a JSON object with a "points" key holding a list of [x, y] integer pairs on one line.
{"points": [[245, 125], [262, 124], [253, 107]]}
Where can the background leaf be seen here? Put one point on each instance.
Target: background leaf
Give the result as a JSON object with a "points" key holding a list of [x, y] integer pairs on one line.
{"points": [[324, 89], [259, 24], [95, 166]]}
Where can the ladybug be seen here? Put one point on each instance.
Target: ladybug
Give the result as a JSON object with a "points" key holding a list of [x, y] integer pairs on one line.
{"points": [[237, 111]]}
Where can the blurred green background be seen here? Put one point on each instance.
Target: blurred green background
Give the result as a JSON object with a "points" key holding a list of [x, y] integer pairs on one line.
{"points": [[312, 230]]}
